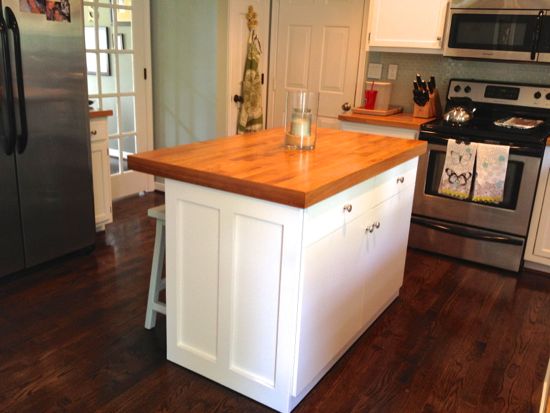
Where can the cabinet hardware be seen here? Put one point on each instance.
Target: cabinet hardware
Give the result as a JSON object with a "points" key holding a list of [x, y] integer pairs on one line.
{"points": [[401, 179], [348, 207], [370, 229], [439, 38], [94, 132]]}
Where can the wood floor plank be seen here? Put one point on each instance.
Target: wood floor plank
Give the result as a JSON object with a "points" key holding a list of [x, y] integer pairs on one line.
{"points": [[460, 338]]}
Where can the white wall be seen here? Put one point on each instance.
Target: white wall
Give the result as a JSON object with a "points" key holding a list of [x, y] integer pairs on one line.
{"points": [[188, 51]]}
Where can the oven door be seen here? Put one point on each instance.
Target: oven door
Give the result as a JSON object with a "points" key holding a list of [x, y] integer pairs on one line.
{"points": [[494, 34], [511, 216]]}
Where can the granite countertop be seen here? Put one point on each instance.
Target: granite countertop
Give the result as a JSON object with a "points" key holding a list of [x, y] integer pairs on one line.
{"points": [[258, 164]]}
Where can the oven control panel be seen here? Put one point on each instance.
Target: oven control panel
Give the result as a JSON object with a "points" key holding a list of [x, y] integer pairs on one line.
{"points": [[534, 96]]}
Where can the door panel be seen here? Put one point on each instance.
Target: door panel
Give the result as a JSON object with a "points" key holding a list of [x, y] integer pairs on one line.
{"points": [[54, 172], [297, 57], [323, 39], [11, 242]]}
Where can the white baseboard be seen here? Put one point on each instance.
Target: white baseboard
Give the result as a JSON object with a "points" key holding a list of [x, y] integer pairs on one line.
{"points": [[537, 267]]}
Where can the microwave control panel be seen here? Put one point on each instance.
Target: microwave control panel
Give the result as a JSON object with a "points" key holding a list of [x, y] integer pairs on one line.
{"points": [[534, 96]]}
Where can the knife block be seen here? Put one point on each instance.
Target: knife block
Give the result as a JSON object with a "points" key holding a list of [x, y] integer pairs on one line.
{"points": [[432, 109]]}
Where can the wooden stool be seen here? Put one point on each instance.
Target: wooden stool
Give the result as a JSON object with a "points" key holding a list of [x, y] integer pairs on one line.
{"points": [[156, 283]]}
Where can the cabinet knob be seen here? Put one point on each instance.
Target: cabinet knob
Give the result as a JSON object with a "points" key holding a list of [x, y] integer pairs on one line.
{"points": [[348, 208], [439, 38], [346, 107], [401, 180], [370, 229], [94, 132]]}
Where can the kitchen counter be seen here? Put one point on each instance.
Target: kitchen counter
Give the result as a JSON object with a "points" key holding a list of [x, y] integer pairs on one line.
{"points": [[100, 113], [258, 165], [399, 120], [264, 297]]}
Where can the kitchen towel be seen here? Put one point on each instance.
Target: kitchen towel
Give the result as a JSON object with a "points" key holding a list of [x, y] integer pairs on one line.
{"points": [[456, 179], [251, 113], [492, 162]]}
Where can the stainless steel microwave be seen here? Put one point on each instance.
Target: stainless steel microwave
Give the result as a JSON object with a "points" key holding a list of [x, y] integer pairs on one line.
{"points": [[499, 29]]}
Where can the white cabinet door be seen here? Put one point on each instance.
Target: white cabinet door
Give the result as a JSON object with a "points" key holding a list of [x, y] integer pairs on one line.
{"points": [[101, 173], [407, 24], [538, 241], [331, 300], [385, 252], [343, 292]]}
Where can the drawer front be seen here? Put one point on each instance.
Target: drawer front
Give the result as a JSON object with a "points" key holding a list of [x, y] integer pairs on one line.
{"points": [[342, 208], [98, 129], [395, 180]]}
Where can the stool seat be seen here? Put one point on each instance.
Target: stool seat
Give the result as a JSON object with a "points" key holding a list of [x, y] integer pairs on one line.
{"points": [[158, 212], [156, 283]]}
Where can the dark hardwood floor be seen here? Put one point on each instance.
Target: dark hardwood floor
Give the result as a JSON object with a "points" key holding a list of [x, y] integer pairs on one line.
{"points": [[460, 338]]}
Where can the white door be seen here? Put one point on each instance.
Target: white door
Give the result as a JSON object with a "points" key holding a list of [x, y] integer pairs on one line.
{"points": [[236, 52], [118, 58], [316, 45]]}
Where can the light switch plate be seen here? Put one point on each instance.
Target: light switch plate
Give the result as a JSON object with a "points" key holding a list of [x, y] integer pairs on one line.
{"points": [[392, 72], [374, 71]]}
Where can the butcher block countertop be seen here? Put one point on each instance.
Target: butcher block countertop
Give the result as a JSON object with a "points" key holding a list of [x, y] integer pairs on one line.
{"points": [[258, 165], [100, 113], [399, 120]]}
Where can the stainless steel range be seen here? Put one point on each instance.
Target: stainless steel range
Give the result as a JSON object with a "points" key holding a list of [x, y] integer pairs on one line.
{"points": [[492, 233]]}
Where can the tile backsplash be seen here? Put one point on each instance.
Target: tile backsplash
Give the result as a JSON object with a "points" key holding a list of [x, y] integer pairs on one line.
{"points": [[445, 68]]}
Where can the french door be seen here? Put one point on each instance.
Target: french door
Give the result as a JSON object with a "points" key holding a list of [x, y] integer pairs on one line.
{"points": [[117, 38]]}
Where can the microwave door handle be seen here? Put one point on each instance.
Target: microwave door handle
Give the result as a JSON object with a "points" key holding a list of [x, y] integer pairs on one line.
{"points": [[14, 27], [536, 35], [9, 146]]}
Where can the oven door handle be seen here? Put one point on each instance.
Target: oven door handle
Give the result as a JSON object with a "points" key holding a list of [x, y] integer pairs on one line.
{"points": [[466, 232]]}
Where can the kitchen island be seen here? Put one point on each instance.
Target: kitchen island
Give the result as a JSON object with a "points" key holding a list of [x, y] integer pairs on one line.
{"points": [[278, 260]]}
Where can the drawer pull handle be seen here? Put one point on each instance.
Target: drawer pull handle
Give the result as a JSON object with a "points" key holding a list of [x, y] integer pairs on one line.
{"points": [[348, 208], [371, 228], [94, 132], [401, 180]]}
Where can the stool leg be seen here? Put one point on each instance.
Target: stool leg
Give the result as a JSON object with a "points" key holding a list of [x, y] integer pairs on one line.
{"points": [[156, 274]]}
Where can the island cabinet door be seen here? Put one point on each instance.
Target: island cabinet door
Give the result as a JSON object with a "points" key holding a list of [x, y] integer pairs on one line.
{"points": [[331, 307], [233, 267], [387, 233], [350, 276]]}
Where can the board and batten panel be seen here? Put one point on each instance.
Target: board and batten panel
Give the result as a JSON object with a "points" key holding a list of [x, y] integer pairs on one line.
{"points": [[197, 253], [255, 298]]}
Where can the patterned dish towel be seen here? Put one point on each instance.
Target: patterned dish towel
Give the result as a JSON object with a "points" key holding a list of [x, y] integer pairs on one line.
{"points": [[492, 162], [456, 179], [251, 112]]}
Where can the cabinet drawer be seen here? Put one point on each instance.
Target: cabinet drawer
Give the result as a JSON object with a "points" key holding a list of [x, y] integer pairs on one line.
{"points": [[340, 209], [98, 129], [395, 180]]}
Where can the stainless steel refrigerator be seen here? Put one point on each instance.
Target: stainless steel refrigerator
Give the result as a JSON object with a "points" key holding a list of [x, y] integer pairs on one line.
{"points": [[46, 199]]}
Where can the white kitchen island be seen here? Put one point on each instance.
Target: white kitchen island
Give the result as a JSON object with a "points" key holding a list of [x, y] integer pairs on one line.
{"points": [[278, 260]]}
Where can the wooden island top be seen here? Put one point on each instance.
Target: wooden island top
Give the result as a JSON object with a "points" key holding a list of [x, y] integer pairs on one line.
{"points": [[258, 165]]}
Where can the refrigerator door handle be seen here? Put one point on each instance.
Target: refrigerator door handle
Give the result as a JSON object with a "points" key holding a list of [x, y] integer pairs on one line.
{"points": [[14, 27], [9, 145]]}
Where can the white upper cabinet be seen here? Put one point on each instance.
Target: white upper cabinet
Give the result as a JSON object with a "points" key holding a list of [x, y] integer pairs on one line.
{"points": [[407, 26]]}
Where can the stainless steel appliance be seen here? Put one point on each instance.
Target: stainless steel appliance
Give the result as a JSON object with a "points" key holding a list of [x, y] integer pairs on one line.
{"points": [[492, 234], [499, 29], [46, 205]]}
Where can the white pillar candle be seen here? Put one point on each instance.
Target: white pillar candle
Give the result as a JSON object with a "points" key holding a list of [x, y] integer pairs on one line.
{"points": [[301, 126]]}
